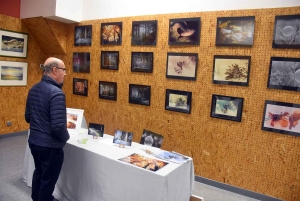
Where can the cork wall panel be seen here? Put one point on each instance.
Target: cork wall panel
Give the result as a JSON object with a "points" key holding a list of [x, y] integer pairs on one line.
{"points": [[12, 101], [236, 153]]}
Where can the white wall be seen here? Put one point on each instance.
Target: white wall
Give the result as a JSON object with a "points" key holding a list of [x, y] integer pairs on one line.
{"points": [[100, 9], [37, 8], [69, 9]]}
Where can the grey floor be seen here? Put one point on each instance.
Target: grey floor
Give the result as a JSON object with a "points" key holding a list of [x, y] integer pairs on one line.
{"points": [[12, 188]]}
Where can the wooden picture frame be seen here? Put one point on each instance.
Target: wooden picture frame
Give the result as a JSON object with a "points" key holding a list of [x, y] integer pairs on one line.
{"points": [[13, 44], [226, 107], [111, 33], [178, 101], [81, 62], [281, 117], [110, 60], [182, 66], [13, 73], [80, 87], [184, 31], [139, 94], [83, 35], [286, 32], [231, 70], [284, 73], [144, 33], [108, 90], [142, 62], [235, 31]]}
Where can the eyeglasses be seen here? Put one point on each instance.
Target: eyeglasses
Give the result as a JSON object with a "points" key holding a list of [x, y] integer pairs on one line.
{"points": [[64, 69]]}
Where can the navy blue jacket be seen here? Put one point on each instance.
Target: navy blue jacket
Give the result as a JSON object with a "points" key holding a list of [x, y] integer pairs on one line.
{"points": [[46, 113]]}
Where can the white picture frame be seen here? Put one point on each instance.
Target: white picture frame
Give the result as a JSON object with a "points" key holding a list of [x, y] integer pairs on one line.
{"points": [[74, 120], [13, 73], [13, 44]]}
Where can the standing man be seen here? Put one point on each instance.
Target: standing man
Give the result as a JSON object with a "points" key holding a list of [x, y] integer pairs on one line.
{"points": [[46, 113]]}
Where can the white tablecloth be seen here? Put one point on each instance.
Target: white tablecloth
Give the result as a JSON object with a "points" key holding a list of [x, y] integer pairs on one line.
{"points": [[92, 172]]}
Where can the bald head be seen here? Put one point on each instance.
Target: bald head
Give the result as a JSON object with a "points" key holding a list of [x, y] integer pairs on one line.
{"points": [[55, 68], [50, 63]]}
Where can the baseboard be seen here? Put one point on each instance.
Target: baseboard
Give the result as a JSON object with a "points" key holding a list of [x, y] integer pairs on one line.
{"points": [[234, 189], [14, 134]]}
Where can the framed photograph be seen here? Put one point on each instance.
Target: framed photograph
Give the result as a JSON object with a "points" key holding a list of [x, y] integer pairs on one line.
{"points": [[13, 73], [80, 86], [280, 117], [96, 129], [150, 138], [226, 107], [81, 62], [13, 44], [83, 35], [142, 62], [182, 66], [111, 33], [74, 120], [144, 32], [231, 70], [284, 73], [110, 60], [235, 31], [287, 32], [178, 101], [108, 90], [123, 137], [184, 31], [139, 94]]}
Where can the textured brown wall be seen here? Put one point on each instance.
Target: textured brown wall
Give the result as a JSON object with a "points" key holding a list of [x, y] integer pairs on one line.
{"points": [[236, 153]]}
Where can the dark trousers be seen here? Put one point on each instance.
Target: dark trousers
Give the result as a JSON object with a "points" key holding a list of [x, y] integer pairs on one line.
{"points": [[48, 163]]}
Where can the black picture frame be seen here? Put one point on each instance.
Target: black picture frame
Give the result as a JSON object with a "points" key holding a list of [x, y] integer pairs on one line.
{"points": [[286, 32], [178, 101], [108, 90], [226, 107], [110, 60], [150, 138], [142, 62], [184, 31], [235, 31], [81, 62], [281, 117], [111, 33], [231, 70], [144, 33], [284, 73], [83, 35], [123, 137], [182, 66], [96, 129], [80, 86], [139, 94]]}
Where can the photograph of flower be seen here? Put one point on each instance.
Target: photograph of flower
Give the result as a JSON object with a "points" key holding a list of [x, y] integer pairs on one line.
{"points": [[281, 118], [231, 70], [144, 32], [235, 31], [111, 33], [144, 162], [284, 73]]}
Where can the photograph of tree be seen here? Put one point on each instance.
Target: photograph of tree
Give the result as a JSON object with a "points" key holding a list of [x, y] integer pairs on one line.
{"points": [[142, 62], [284, 73], [111, 33], [144, 32], [139, 94], [83, 35]]}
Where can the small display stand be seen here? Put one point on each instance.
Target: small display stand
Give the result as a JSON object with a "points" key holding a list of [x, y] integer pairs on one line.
{"points": [[121, 146]]}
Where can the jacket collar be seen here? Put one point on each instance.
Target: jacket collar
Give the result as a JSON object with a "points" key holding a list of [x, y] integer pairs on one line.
{"points": [[49, 79]]}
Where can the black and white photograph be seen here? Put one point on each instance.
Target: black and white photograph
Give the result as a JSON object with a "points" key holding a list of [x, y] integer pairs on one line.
{"points": [[287, 31], [150, 138], [139, 94], [96, 129], [284, 73], [184, 31], [178, 101], [123, 137], [144, 32], [142, 62], [83, 35]]}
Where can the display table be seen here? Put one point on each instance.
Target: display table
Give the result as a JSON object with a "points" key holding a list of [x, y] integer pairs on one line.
{"points": [[92, 172]]}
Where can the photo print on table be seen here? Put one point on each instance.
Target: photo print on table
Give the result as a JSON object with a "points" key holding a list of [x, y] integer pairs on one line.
{"points": [[96, 129], [150, 138], [74, 119], [123, 137]]}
